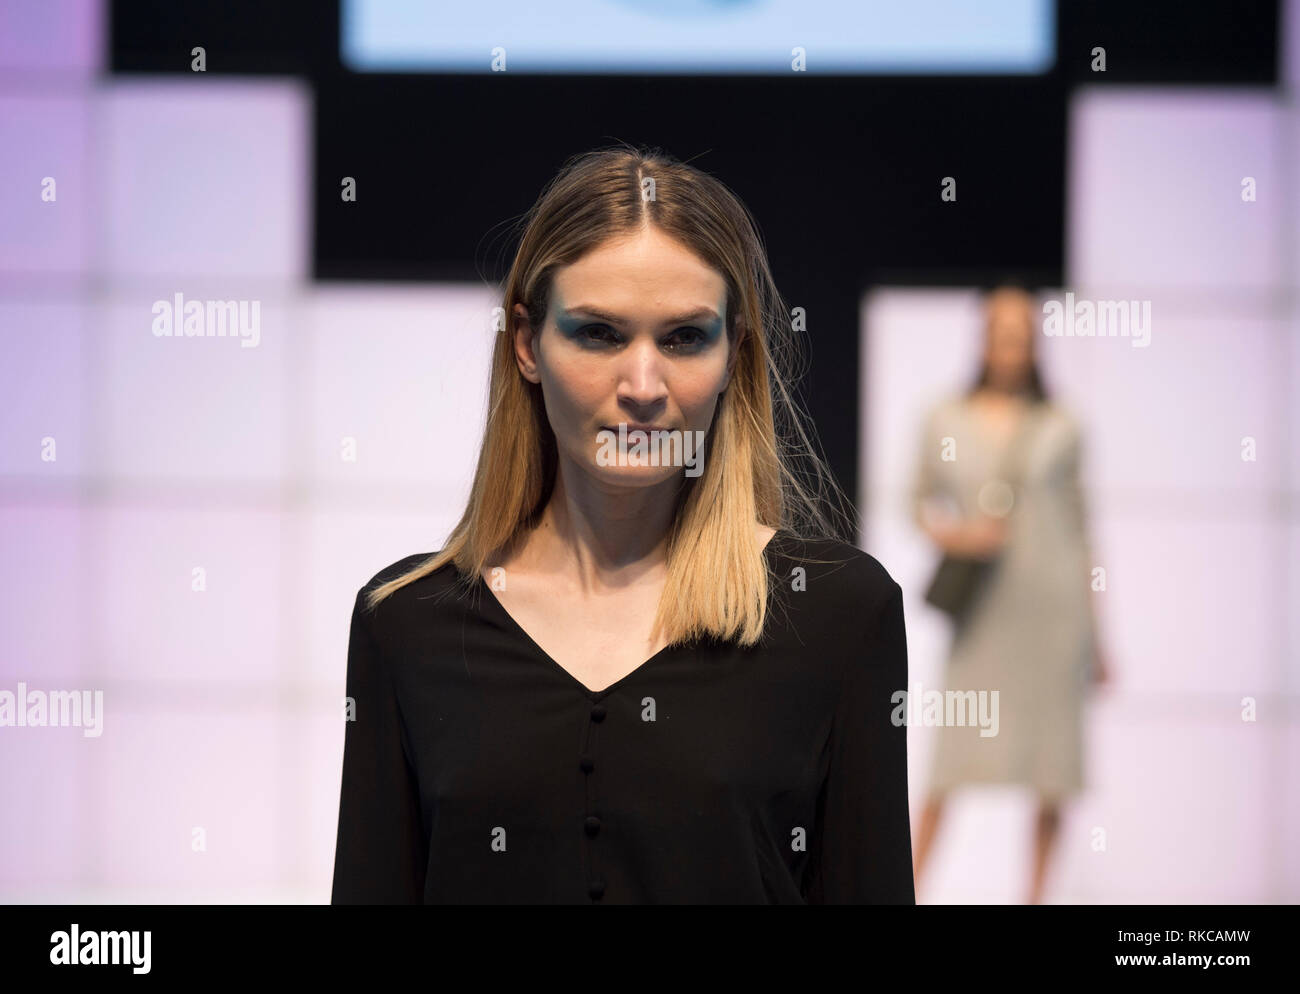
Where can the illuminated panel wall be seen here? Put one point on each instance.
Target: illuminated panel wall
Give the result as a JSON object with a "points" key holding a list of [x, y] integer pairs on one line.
{"points": [[186, 520], [1201, 548]]}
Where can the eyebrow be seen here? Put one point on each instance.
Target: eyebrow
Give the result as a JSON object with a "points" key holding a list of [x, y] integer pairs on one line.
{"points": [[703, 313]]}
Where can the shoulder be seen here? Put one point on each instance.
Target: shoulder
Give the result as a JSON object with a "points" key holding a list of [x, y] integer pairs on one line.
{"points": [[850, 614], [846, 578], [395, 569], [423, 586], [419, 608], [947, 408]]}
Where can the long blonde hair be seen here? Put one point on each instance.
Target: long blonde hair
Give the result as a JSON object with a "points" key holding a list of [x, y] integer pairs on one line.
{"points": [[717, 582]]}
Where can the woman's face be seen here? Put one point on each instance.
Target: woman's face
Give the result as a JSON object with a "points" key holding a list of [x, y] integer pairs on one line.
{"points": [[635, 333], [1009, 345]]}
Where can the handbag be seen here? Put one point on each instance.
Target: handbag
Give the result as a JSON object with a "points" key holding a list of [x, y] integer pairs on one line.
{"points": [[957, 579]]}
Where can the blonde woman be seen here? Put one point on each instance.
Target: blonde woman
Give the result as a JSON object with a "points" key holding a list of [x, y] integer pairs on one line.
{"points": [[626, 680], [1009, 493]]}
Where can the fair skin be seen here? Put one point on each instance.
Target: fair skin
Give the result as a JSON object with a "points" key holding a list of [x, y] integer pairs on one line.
{"points": [[585, 584], [999, 404]]}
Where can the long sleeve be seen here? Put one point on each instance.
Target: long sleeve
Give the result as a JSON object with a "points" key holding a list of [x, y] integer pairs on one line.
{"points": [[861, 851], [1076, 516], [381, 855], [1072, 493]]}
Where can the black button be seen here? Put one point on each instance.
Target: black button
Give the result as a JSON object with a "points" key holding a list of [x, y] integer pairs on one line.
{"points": [[597, 888], [593, 824], [586, 764], [598, 712]]}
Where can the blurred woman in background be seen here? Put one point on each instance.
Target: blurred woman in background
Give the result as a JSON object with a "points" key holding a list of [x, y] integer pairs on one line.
{"points": [[998, 482]]}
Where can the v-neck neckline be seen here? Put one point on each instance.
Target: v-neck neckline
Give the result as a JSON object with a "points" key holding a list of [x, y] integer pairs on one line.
{"points": [[594, 695]]}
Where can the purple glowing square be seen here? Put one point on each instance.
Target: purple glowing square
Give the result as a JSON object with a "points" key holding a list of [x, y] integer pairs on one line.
{"points": [[42, 380], [48, 39], [46, 210]]}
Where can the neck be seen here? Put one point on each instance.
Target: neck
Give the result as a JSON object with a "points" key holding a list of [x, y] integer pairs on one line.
{"points": [[595, 532]]}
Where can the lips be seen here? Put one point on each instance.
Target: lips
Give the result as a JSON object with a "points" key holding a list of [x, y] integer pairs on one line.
{"points": [[636, 427]]}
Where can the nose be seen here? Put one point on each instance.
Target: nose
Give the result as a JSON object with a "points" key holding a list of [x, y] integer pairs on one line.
{"points": [[641, 382]]}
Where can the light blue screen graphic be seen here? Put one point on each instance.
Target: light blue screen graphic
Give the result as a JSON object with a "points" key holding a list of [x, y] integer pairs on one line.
{"points": [[710, 37]]}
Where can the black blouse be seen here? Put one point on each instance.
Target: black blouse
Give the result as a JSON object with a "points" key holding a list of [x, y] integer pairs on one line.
{"points": [[477, 770]]}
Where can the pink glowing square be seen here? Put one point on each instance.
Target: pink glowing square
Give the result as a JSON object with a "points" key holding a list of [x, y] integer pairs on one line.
{"points": [[207, 177], [1156, 181], [47, 590], [189, 596], [202, 408], [397, 386], [191, 799], [46, 824]]}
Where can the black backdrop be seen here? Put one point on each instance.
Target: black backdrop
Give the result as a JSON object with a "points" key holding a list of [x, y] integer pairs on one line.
{"points": [[841, 172]]}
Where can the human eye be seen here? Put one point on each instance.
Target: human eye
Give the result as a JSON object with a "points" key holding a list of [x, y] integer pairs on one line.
{"points": [[597, 334], [687, 340]]}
